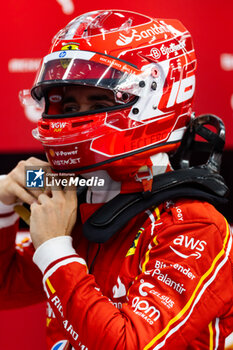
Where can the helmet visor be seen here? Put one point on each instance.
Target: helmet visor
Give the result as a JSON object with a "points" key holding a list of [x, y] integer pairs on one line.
{"points": [[83, 68]]}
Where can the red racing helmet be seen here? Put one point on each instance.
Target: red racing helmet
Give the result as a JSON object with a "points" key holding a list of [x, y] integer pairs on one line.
{"points": [[148, 65]]}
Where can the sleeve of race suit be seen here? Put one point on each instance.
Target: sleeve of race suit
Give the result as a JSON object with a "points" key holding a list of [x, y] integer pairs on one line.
{"points": [[178, 292], [20, 280]]}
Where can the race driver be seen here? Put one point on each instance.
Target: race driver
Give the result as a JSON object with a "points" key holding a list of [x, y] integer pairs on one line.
{"points": [[122, 269]]}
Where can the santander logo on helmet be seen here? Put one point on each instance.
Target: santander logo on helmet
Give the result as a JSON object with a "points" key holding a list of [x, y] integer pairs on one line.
{"points": [[136, 35], [125, 40], [149, 67]]}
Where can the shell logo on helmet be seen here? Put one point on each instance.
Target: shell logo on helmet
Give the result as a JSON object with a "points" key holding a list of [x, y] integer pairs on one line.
{"points": [[51, 152], [149, 67]]}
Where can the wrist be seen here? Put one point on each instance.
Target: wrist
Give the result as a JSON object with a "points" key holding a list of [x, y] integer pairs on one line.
{"points": [[52, 250], [7, 215]]}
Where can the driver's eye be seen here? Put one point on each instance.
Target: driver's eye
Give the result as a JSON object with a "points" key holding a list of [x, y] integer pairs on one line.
{"points": [[75, 107], [70, 108], [99, 106]]}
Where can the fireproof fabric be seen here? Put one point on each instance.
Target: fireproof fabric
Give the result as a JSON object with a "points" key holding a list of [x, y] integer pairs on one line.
{"points": [[163, 282]]}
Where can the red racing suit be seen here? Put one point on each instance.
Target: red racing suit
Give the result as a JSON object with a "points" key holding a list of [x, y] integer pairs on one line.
{"points": [[163, 282]]}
